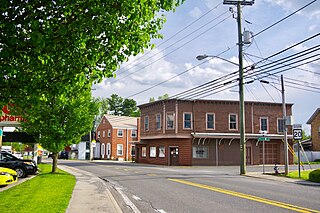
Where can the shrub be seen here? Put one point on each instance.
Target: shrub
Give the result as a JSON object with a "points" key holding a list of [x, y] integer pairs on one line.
{"points": [[314, 176], [317, 160]]}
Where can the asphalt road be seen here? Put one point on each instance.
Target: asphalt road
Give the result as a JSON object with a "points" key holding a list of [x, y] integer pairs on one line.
{"points": [[149, 188]]}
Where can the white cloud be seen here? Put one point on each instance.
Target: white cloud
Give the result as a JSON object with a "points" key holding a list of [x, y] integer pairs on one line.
{"points": [[313, 27], [312, 11], [195, 12]]}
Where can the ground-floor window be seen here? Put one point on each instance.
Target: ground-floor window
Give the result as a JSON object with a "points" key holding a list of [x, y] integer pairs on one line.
{"points": [[144, 152], [162, 152], [200, 152], [102, 149], [153, 152], [133, 150], [119, 149]]}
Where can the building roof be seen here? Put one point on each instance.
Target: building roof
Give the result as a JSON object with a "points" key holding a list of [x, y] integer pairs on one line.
{"points": [[313, 116], [122, 121], [208, 101]]}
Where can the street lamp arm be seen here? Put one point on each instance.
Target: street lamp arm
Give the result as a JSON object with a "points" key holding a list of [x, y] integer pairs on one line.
{"points": [[201, 57]]}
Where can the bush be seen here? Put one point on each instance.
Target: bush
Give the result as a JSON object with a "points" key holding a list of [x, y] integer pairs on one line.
{"points": [[314, 176], [317, 160]]}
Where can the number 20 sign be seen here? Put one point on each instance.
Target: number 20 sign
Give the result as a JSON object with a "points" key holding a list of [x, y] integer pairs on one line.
{"points": [[297, 134]]}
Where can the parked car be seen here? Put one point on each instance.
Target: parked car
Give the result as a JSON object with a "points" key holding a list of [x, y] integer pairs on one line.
{"points": [[7, 176], [63, 155], [21, 166]]}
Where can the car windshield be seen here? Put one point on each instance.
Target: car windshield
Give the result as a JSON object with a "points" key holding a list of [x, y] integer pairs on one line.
{"points": [[4, 156]]}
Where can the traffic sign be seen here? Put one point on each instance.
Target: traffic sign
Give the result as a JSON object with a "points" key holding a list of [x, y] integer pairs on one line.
{"points": [[263, 139], [297, 134]]}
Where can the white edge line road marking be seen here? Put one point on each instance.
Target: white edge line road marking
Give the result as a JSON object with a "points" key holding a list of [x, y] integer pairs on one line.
{"points": [[136, 197], [127, 201]]}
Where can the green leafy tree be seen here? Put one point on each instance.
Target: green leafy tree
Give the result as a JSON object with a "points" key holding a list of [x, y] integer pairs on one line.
{"points": [[305, 136], [68, 118], [115, 104], [45, 42], [122, 106], [164, 97], [51, 52]]}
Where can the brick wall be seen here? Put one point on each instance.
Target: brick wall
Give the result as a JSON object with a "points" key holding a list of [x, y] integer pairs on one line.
{"points": [[315, 133], [221, 110]]}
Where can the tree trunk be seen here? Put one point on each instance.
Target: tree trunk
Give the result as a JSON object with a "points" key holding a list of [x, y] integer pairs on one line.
{"points": [[54, 162]]}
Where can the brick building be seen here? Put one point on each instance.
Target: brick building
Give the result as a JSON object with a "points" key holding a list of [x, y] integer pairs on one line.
{"points": [[314, 120], [206, 132], [117, 135]]}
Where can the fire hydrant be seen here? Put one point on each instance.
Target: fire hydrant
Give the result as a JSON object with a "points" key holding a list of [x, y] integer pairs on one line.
{"points": [[276, 169]]}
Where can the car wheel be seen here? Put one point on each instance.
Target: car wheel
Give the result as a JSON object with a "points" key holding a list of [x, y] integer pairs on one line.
{"points": [[21, 172]]}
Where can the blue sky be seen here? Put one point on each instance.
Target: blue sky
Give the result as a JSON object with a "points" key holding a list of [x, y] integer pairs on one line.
{"points": [[207, 27]]}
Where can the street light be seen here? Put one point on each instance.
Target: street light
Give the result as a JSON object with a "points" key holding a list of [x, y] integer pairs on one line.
{"points": [[286, 154], [241, 99], [201, 57]]}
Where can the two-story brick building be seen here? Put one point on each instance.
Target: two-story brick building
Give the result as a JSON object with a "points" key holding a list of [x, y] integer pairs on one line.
{"points": [[314, 121], [206, 132], [117, 135]]}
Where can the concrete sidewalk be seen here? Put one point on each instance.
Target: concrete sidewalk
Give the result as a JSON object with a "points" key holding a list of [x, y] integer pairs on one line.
{"points": [[280, 179], [90, 194]]}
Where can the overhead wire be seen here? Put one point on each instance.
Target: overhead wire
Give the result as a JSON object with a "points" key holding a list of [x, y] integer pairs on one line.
{"points": [[172, 36], [194, 91], [169, 53], [278, 53], [286, 17]]}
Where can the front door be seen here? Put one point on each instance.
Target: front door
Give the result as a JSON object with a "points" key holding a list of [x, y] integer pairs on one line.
{"points": [[174, 156], [108, 150], [248, 153]]}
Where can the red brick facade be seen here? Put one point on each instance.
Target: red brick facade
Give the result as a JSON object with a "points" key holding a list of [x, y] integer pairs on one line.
{"points": [[315, 130], [116, 137], [206, 132]]}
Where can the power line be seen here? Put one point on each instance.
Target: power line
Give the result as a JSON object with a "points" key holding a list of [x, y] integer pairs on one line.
{"points": [[302, 69], [291, 14], [198, 36], [191, 93], [174, 35]]}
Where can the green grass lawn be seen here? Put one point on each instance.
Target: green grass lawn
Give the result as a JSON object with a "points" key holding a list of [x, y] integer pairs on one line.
{"points": [[47, 192], [304, 174]]}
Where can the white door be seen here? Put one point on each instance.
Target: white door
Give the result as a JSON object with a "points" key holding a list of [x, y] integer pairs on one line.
{"points": [[108, 150], [102, 150]]}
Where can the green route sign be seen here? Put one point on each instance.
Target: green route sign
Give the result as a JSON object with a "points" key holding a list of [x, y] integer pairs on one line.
{"points": [[263, 139]]}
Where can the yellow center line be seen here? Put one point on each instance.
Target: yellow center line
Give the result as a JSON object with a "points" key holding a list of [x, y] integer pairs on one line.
{"points": [[247, 196]]}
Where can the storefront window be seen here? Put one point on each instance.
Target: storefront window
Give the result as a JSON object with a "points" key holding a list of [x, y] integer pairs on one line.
{"points": [[200, 152], [153, 152], [144, 152], [162, 152]]}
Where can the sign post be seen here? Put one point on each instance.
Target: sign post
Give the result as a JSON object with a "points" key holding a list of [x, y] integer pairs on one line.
{"points": [[297, 135], [263, 139], [1, 133]]}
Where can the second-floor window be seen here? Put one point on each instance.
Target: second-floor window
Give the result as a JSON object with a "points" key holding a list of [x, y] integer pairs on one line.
{"points": [[170, 120], [98, 134], [158, 121], [187, 120], [210, 121], [233, 122], [104, 134], [280, 126], [109, 133], [120, 132], [134, 133], [146, 123], [263, 124]]}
